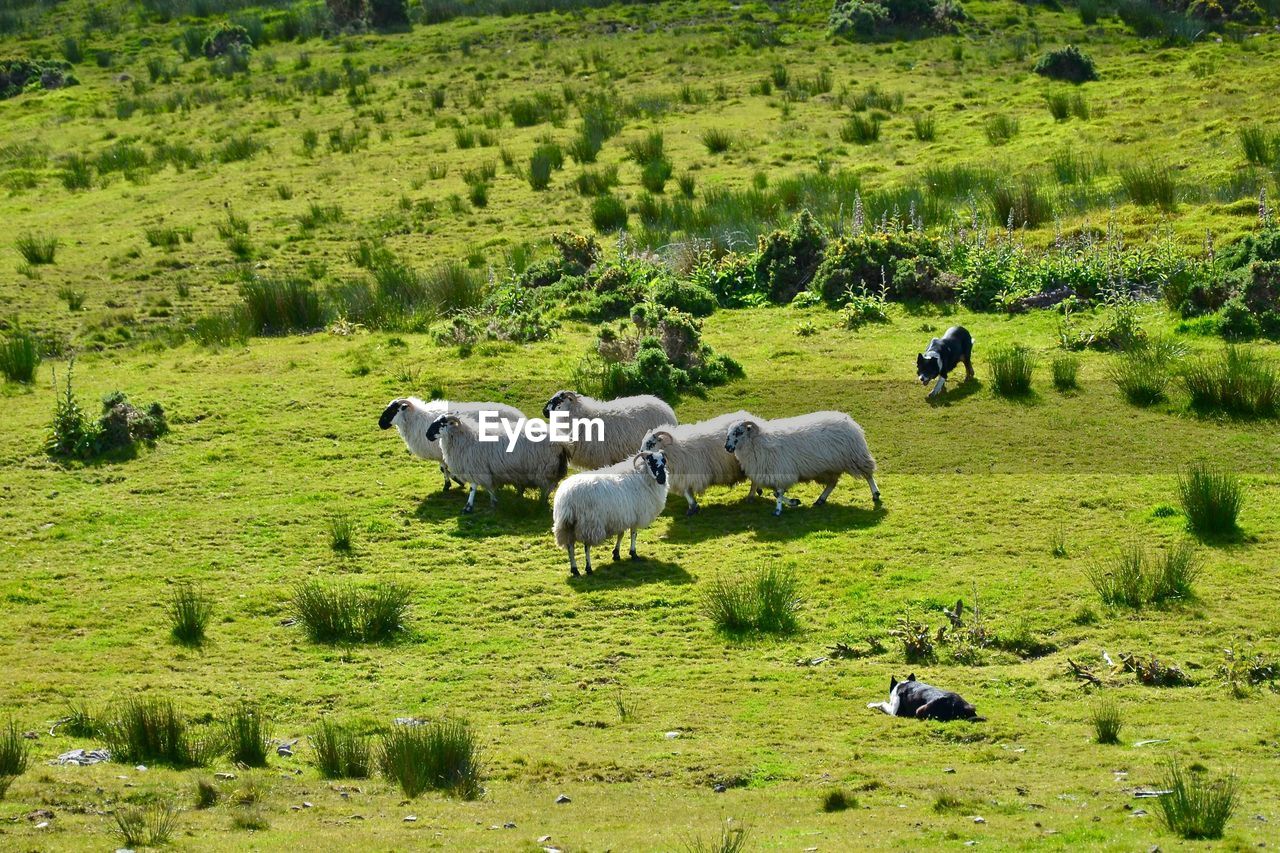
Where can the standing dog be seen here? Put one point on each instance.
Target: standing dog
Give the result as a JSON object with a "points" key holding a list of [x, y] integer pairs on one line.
{"points": [[913, 698], [942, 356]]}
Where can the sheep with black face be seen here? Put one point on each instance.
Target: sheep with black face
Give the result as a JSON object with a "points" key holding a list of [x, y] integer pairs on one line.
{"points": [[819, 447], [591, 507], [411, 417], [522, 463]]}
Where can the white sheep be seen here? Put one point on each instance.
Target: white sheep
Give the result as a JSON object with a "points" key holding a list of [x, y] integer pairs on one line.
{"points": [[819, 447], [592, 506], [695, 454], [624, 420], [521, 463], [411, 417]]}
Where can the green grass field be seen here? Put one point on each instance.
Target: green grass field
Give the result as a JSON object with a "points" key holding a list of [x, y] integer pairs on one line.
{"points": [[617, 690]]}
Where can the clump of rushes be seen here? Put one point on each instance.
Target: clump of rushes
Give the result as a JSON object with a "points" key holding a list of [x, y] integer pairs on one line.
{"points": [[189, 613]]}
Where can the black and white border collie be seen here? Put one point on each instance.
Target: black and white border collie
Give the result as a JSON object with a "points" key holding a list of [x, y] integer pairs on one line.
{"points": [[941, 357], [913, 698]]}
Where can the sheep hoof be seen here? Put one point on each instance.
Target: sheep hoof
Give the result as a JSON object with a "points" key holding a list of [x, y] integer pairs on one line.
{"points": [[820, 502], [693, 510], [575, 573], [793, 502], [616, 555], [468, 509], [777, 511], [636, 556], [875, 498]]}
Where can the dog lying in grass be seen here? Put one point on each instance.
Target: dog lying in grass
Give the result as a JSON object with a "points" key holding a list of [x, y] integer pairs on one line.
{"points": [[942, 356], [913, 698]]}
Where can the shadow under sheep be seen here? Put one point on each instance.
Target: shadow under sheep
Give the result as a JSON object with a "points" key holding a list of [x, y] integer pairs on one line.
{"points": [[756, 517], [622, 574], [516, 513]]}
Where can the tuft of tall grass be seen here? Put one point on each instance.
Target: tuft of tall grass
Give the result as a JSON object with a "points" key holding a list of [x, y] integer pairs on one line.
{"points": [[655, 174], [36, 249], [74, 298], [717, 140], [1211, 499], [80, 721], [1237, 382], [279, 306], [764, 602], [146, 826], [838, 800], [19, 356], [647, 149], [732, 839], [924, 126], [1122, 580], [1011, 370], [14, 755], [594, 182], [340, 530], [545, 159], [1072, 167], [1174, 573], [77, 172], [1106, 721], [436, 756], [341, 752], [1141, 375], [237, 148], [1000, 128], [206, 793], [1150, 185], [152, 731], [189, 613], [608, 214], [1197, 807], [337, 614], [248, 734], [1059, 104], [1021, 203], [318, 214], [1260, 146], [860, 129], [1066, 368]]}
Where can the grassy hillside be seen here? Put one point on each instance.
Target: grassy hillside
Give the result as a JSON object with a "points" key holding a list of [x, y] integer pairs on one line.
{"points": [[398, 104], [618, 690]]}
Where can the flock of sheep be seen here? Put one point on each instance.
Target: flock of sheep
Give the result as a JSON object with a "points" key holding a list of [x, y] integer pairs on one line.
{"points": [[643, 454]]}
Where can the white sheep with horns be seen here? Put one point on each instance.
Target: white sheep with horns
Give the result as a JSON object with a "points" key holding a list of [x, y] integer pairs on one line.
{"points": [[411, 417], [625, 422], [522, 463], [819, 447], [695, 454], [592, 506]]}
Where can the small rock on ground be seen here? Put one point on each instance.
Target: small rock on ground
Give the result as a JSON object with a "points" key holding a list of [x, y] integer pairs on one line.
{"points": [[562, 799]]}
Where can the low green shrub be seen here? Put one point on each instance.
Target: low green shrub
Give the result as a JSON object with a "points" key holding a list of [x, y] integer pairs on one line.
{"points": [[1066, 63]]}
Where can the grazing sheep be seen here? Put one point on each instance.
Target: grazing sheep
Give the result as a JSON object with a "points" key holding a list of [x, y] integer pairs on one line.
{"points": [[591, 507], [625, 420], [819, 446], [695, 454], [411, 417], [491, 464]]}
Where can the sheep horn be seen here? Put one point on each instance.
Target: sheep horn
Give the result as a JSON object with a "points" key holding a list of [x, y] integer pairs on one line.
{"points": [[638, 460], [665, 437]]}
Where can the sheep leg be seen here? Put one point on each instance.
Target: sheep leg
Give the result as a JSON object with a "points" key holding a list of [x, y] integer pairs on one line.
{"points": [[616, 546], [693, 502], [779, 498], [448, 483], [471, 499], [573, 560], [822, 498], [634, 555], [493, 496], [586, 549], [875, 490]]}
